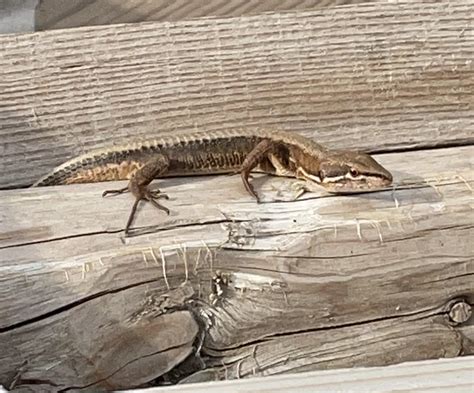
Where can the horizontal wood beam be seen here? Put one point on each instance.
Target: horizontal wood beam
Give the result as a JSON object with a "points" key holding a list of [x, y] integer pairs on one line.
{"points": [[322, 282], [377, 76]]}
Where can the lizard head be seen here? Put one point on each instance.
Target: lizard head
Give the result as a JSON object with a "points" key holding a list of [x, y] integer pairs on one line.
{"points": [[342, 171]]}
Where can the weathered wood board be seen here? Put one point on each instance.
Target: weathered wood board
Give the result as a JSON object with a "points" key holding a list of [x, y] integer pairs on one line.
{"points": [[443, 375], [224, 288], [58, 14], [322, 282], [377, 76]]}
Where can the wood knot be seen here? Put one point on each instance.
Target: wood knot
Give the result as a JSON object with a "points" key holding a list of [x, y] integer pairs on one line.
{"points": [[459, 311]]}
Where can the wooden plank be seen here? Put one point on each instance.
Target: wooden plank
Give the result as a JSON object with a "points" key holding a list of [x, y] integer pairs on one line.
{"points": [[320, 283], [72, 211], [377, 76], [430, 376], [58, 14]]}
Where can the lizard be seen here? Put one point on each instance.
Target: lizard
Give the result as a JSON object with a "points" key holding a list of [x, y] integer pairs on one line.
{"points": [[270, 151]]}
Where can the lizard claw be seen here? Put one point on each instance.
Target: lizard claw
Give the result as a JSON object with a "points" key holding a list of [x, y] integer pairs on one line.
{"points": [[151, 197], [157, 194], [115, 192]]}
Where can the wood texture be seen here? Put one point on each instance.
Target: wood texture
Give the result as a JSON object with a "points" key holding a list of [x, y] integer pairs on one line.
{"points": [[60, 14], [444, 375], [224, 288], [324, 282], [377, 76]]}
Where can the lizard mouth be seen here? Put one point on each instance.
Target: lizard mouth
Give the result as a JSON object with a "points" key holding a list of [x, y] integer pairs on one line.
{"points": [[346, 183]]}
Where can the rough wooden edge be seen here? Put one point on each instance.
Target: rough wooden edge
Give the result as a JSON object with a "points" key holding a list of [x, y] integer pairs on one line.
{"points": [[447, 375]]}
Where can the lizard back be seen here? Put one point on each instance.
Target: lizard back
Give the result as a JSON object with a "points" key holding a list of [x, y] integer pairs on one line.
{"points": [[187, 153]]}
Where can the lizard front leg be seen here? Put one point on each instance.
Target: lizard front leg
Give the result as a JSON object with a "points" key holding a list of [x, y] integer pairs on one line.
{"points": [[138, 186]]}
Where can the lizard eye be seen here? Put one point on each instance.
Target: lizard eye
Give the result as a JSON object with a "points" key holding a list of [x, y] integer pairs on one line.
{"points": [[354, 172]]}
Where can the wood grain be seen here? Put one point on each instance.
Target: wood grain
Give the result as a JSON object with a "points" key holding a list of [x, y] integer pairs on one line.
{"points": [[224, 288], [377, 76], [58, 14], [443, 375], [320, 283]]}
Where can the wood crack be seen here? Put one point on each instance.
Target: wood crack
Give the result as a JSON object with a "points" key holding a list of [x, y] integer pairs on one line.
{"points": [[148, 230], [467, 141], [118, 370], [70, 306], [445, 278], [423, 314], [55, 239]]}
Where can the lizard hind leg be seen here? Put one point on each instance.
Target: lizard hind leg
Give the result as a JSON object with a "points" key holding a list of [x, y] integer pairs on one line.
{"points": [[258, 154]]}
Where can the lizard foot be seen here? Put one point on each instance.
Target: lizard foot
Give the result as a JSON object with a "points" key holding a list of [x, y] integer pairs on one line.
{"points": [[157, 194], [152, 196], [144, 194]]}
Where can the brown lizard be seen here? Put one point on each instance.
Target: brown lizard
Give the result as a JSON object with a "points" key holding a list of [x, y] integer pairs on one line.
{"points": [[274, 152]]}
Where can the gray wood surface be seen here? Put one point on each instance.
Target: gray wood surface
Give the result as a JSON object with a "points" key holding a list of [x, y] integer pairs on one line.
{"points": [[224, 288], [377, 76], [60, 14], [321, 283]]}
